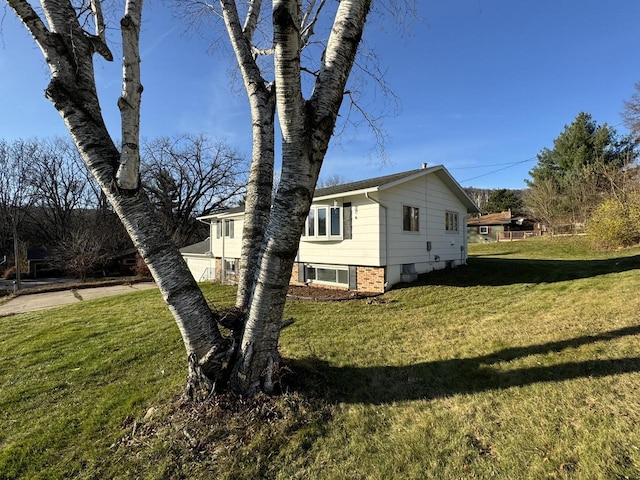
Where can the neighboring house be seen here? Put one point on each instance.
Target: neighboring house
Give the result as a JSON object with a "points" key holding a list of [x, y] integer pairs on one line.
{"points": [[363, 236], [496, 227], [200, 260]]}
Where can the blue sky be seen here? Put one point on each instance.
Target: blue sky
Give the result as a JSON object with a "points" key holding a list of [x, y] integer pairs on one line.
{"points": [[483, 85]]}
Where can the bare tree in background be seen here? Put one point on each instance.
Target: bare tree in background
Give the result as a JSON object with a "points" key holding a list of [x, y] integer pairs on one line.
{"points": [[189, 176], [331, 181], [16, 197], [61, 192], [631, 111]]}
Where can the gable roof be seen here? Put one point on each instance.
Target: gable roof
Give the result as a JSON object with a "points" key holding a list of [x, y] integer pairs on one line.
{"points": [[200, 248], [502, 218], [380, 183], [363, 184], [389, 181]]}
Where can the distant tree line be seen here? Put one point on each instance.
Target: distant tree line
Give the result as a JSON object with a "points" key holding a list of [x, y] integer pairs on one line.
{"points": [[496, 200], [588, 182], [50, 204]]}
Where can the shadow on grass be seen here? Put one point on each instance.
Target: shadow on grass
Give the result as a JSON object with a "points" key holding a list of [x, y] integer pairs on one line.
{"points": [[439, 379], [491, 271]]}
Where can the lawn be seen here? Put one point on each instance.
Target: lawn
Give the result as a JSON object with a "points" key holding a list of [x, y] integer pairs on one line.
{"points": [[522, 365]]}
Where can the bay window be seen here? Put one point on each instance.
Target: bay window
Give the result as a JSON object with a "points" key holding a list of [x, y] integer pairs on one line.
{"points": [[323, 223]]}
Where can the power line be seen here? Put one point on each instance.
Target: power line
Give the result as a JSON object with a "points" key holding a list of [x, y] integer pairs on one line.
{"points": [[509, 165], [492, 165]]}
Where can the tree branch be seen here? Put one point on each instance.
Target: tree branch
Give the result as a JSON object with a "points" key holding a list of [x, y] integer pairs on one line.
{"points": [[251, 22], [308, 26], [32, 21], [339, 58], [100, 39], [128, 175]]}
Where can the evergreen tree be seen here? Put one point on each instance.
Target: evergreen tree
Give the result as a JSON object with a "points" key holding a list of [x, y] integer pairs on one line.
{"points": [[582, 157], [502, 200]]}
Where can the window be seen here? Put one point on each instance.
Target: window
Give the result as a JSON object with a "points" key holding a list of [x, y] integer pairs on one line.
{"points": [[323, 223], [484, 230], [410, 219], [230, 265], [335, 222], [451, 222], [326, 274], [228, 228]]}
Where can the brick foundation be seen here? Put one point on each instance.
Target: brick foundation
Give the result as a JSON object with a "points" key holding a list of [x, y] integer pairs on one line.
{"points": [[370, 279], [295, 279]]}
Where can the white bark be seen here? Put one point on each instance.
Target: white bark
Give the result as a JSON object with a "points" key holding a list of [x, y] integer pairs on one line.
{"points": [[128, 175], [68, 51], [306, 127], [262, 103]]}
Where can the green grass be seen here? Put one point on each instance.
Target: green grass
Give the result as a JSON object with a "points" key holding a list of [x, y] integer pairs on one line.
{"points": [[522, 365]]}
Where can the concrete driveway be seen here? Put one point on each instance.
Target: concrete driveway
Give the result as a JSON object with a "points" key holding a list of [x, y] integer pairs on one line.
{"points": [[40, 301]]}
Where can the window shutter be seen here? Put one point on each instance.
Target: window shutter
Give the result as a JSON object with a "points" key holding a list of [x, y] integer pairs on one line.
{"points": [[230, 228], [488, 229], [218, 228], [353, 277], [347, 223], [301, 272]]}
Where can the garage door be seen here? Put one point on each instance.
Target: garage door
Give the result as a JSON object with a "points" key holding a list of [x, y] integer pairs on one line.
{"points": [[201, 268]]}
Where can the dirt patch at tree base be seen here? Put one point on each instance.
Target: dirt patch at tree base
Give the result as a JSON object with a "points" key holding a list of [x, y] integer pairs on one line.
{"points": [[307, 292]]}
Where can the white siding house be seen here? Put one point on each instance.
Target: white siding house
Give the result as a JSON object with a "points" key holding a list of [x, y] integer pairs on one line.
{"points": [[366, 235]]}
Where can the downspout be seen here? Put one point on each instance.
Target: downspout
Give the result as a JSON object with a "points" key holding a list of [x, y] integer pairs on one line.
{"points": [[223, 270], [386, 230]]}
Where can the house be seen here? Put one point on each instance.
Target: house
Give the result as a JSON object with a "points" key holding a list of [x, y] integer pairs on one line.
{"points": [[362, 236], [503, 226], [200, 260]]}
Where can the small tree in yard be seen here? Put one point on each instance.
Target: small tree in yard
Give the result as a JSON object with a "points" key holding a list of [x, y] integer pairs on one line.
{"points": [[79, 253], [615, 223], [578, 169], [249, 357]]}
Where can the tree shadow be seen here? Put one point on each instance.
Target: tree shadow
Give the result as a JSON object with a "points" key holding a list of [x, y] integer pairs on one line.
{"points": [[445, 378], [492, 271]]}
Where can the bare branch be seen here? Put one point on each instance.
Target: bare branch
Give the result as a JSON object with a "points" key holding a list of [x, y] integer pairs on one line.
{"points": [[251, 22], [100, 38], [308, 28], [128, 176], [32, 22]]}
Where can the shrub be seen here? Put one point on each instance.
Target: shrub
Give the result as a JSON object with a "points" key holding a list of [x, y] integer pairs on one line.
{"points": [[615, 224]]}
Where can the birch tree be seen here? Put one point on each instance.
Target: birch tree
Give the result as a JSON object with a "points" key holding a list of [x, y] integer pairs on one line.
{"points": [[248, 359], [68, 50], [271, 237]]}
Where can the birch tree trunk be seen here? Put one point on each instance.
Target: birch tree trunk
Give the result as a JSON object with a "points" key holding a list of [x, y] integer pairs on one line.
{"points": [[307, 127], [68, 51], [260, 185]]}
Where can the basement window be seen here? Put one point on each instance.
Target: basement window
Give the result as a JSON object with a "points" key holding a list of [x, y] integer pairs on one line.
{"points": [[230, 265], [327, 274]]}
